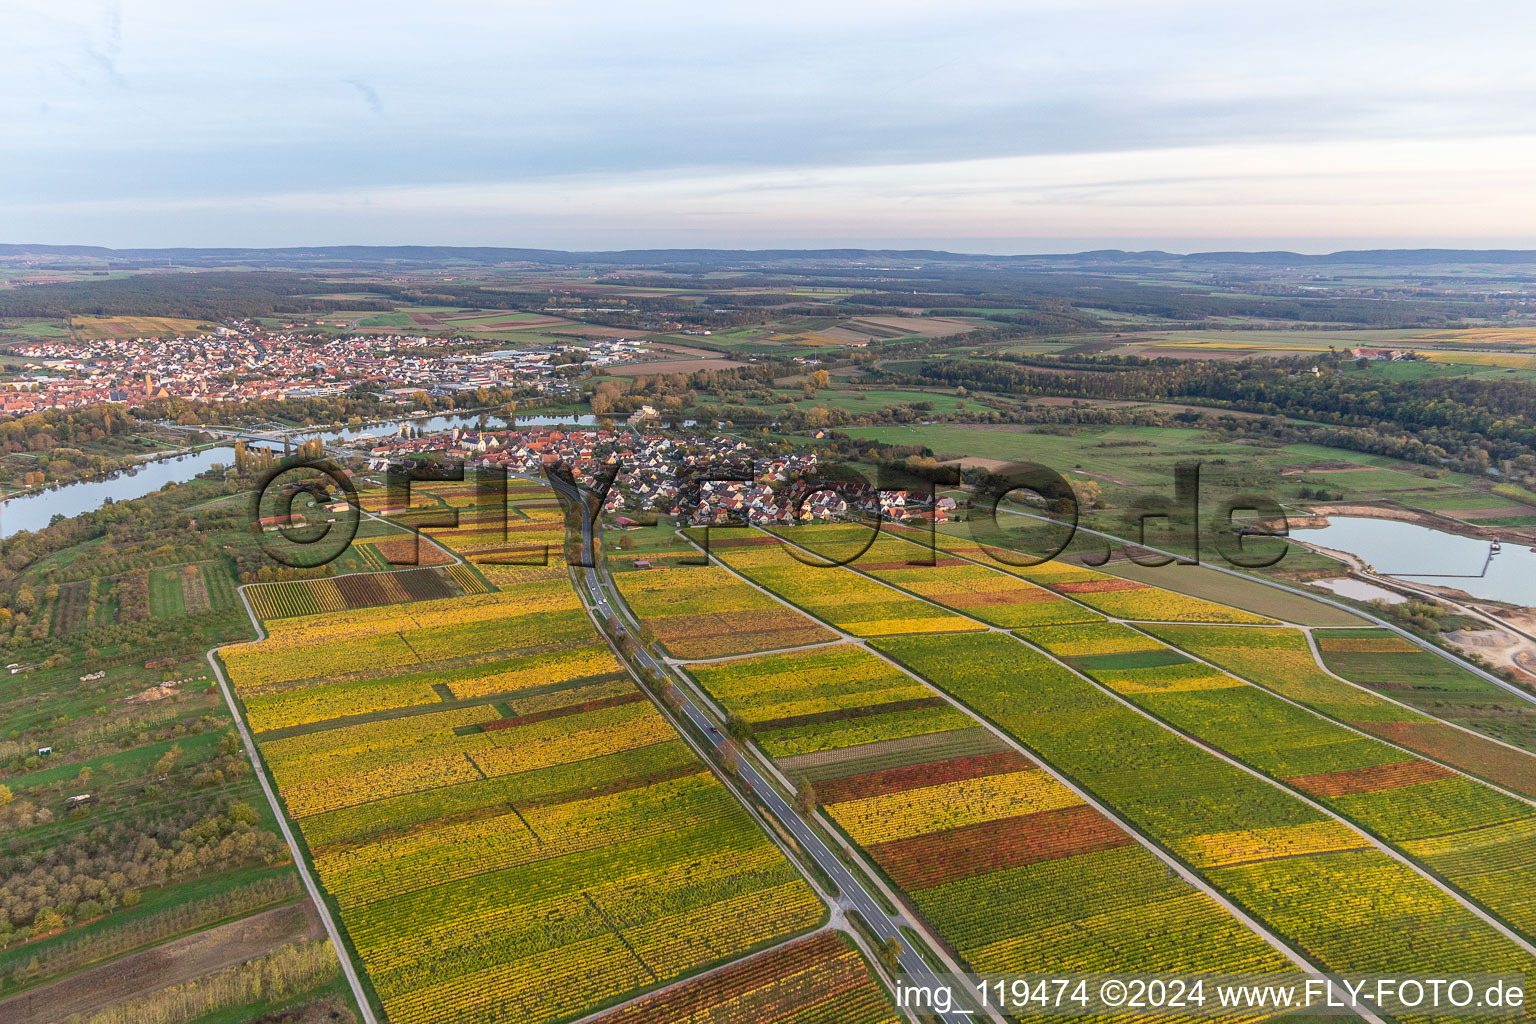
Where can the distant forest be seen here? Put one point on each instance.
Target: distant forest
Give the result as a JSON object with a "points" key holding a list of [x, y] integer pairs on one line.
{"points": [[1045, 302], [1475, 421], [208, 296]]}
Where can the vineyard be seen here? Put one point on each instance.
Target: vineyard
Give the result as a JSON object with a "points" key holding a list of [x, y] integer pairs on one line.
{"points": [[1382, 661], [1013, 869], [372, 641], [1401, 798], [292, 598], [1116, 597], [996, 598], [835, 595], [395, 551], [705, 612], [1280, 660], [595, 859], [1313, 880], [820, 978], [502, 816], [800, 702], [590, 855]]}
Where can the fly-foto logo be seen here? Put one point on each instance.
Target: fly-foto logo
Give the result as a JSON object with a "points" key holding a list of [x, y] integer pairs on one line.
{"points": [[1019, 514]]}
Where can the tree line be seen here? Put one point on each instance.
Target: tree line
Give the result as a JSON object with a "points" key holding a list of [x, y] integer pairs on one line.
{"points": [[1471, 422]]}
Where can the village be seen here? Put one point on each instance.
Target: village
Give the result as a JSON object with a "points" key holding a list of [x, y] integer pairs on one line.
{"points": [[730, 481]]}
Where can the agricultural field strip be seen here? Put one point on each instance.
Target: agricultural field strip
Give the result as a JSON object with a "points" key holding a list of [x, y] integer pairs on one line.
{"points": [[1013, 603], [617, 1011], [273, 596], [342, 576], [768, 832], [859, 603], [1377, 843], [752, 654], [1317, 656], [682, 983], [1313, 596], [344, 953], [905, 918], [958, 551], [365, 643], [1176, 864], [1137, 625], [1311, 644], [702, 612], [804, 980], [408, 531]]}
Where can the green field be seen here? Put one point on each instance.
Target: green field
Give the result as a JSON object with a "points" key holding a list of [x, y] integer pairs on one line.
{"points": [[1129, 462]]}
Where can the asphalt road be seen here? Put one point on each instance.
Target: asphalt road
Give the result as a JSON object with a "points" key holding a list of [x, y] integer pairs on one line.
{"points": [[853, 895]]}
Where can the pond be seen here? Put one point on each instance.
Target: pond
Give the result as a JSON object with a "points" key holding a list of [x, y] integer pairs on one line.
{"points": [[1419, 554], [1348, 586]]}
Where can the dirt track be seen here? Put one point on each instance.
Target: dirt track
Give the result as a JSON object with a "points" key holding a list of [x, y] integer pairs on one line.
{"points": [[170, 964]]}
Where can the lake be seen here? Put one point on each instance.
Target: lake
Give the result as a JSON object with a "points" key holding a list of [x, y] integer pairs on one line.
{"points": [[1419, 554]]}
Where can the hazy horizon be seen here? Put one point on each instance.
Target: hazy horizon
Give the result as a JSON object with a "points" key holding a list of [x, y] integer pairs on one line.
{"points": [[1108, 246]]}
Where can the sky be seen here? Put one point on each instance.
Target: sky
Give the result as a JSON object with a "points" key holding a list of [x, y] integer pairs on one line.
{"points": [[1004, 127]]}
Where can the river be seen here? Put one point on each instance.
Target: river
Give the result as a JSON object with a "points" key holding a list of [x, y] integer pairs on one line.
{"points": [[35, 511], [437, 424], [1419, 554]]}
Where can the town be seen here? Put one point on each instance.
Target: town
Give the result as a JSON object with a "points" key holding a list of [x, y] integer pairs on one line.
{"points": [[243, 362]]}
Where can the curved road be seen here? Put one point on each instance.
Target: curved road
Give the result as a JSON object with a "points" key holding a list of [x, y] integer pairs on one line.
{"points": [[853, 896]]}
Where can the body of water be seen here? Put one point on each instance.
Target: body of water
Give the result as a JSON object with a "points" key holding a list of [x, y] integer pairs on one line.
{"points": [[438, 424], [1348, 586], [35, 511], [1419, 554]]}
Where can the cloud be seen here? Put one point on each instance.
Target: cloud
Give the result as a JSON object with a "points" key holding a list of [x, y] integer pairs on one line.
{"points": [[1289, 195], [722, 97], [369, 94], [105, 54]]}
